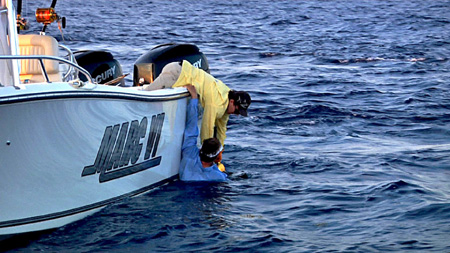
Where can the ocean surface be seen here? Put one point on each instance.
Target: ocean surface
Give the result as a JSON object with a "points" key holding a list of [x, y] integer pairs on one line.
{"points": [[347, 146]]}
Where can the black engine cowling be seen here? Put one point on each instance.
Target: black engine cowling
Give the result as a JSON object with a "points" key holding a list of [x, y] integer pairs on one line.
{"points": [[101, 65], [149, 66]]}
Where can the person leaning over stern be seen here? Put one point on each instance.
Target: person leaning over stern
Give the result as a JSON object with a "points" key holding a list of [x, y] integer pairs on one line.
{"points": [[218, 101], [198, 164]]}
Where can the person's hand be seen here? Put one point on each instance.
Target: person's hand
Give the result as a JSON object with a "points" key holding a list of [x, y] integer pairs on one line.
{"points": [[192, 91]]}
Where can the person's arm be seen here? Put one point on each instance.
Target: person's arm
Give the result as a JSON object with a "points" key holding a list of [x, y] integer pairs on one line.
{"points": [[191, 130]]}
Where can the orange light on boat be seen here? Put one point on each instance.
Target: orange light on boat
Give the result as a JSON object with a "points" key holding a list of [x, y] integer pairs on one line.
{"points": [[46, 15]]}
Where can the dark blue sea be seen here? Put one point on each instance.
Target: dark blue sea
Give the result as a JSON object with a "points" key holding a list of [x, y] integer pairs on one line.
{"points": [[347, 146]]}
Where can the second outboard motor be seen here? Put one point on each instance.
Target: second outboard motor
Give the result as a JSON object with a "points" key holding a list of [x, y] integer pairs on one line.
{"points": [[148, 67], [101, 65]]}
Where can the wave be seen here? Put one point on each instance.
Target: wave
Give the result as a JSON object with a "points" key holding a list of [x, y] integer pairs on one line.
{"points": [[434, 211], [394, 189], [290, 22], [377, 59]]}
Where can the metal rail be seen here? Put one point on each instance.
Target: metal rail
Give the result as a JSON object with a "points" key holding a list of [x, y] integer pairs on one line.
{"points": [[71, 58], [41, 59]]}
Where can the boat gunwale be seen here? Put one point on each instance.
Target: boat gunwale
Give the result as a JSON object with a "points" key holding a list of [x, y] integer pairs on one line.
{"points": [[52, 95]]}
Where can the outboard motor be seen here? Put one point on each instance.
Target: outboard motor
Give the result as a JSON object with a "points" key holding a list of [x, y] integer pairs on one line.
{"points": [[101, 65], [148, 67]]}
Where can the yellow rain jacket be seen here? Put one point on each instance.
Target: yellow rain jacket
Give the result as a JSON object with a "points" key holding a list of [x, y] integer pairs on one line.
{"points": [[213, 96]]}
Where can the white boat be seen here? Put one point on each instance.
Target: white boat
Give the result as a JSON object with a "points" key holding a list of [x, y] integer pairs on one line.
{"points": [[70, 147]]}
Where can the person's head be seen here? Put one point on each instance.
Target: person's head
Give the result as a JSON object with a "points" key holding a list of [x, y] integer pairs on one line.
{"points": [[239, 101], [210, 150]]}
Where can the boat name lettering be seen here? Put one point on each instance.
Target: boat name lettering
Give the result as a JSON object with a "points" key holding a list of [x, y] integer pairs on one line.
{"points": [[105, 75], [122, 146]]}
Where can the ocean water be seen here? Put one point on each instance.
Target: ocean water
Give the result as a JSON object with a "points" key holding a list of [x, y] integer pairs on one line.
{"points": [[347, 146]]}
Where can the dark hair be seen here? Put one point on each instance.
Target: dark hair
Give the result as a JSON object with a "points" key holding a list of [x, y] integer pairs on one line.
{"points": [[209, 150], [231, 94]]}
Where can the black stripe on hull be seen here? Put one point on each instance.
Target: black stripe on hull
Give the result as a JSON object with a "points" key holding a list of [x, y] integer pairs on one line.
{"points": [[59, 215]]}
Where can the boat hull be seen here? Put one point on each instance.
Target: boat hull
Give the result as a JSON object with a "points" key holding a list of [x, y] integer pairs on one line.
{"points": [[65, 155]]}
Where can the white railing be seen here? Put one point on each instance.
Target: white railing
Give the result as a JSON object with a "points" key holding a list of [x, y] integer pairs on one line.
{"points": [[41, 59], [71, 57]]}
